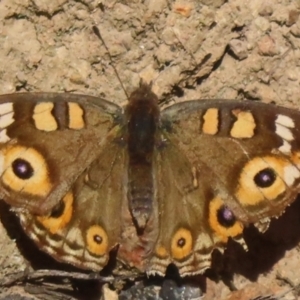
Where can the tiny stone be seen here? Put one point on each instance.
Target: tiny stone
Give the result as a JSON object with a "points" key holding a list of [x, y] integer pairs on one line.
{"points": [[183, 9], [292, 75], [262, 24], [265, 10], [267, 46], [239, 48], [293, 17]]}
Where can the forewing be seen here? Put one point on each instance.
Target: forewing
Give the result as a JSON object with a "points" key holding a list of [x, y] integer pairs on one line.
{"points": [[47, 141], [251, 149]]}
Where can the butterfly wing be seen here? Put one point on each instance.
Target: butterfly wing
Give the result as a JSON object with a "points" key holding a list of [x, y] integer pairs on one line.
{"points": [[63, 160], [219, 165], [47, 141], [251, 149], [87, 223]]}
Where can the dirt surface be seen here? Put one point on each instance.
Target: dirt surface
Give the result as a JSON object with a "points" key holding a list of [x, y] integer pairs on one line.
{"points": [[190, 49]]}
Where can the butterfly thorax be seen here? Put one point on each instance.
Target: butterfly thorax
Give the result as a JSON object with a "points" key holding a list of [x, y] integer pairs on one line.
{"points": [[142, 115]]}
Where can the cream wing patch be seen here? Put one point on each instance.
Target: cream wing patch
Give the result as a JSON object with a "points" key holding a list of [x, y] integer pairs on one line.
{"points": [[4, 138], [291, 173], [285, 121], [283, 125], [6, 119]]}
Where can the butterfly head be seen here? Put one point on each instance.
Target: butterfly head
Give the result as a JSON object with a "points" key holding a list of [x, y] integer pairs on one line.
{"points": [[143, 96]]}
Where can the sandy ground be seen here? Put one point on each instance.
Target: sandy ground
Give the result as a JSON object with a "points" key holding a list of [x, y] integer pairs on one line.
{"points": [[190, 49]]}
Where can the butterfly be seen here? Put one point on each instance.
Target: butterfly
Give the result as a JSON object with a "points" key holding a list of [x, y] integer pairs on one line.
{"points": [[88, 178]]}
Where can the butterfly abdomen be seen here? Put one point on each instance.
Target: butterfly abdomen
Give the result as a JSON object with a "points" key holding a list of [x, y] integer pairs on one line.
{"points": [[142, 115]]}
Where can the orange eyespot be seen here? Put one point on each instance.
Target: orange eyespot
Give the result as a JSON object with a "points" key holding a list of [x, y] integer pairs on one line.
{"points": [[182, 243], [25, 170], [60, 216], [97, 240], [222, 220], [264, 179]]}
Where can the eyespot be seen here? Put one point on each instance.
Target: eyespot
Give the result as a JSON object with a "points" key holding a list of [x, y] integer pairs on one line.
{"points": [[181, 245], [58, 209], [22, 168], [225, 216], [223, 221], [97, 240], [60, 215], [265, 178], [25, 170]]}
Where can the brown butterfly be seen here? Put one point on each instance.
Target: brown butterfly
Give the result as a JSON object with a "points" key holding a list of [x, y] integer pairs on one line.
{"points": [[156, 187]]}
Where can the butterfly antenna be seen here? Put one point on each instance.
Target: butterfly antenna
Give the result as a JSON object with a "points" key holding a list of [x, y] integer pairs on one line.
{"points": [[97, 32], [198, 64]]}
